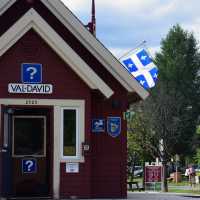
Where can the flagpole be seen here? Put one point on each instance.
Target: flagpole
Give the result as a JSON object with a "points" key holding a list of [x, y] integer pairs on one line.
{"points": [[91, 26], [127, 53]]}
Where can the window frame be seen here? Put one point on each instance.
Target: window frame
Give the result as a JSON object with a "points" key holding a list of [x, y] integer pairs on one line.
{"points": [[78, 133]]}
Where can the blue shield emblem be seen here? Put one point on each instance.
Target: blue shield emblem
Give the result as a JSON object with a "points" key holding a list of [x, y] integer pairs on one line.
{"points": [[114, 126]]}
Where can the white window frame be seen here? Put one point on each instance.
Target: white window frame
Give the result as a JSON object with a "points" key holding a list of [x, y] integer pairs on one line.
{"points": [[78, 134]]}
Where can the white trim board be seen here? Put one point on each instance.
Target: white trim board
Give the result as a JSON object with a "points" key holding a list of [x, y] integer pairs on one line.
{"points": [[5, 4], [32, 20], [66, 17]]}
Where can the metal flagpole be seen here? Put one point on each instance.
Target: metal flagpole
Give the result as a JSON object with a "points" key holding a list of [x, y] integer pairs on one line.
{"points": [[91, 26], [127, 53]]}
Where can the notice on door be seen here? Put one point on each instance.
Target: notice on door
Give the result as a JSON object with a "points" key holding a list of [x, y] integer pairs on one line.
{"points": [[72, 167], [18, 88]]}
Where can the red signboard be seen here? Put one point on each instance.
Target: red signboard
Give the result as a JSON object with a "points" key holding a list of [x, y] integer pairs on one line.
{"points": [[153, 173]]}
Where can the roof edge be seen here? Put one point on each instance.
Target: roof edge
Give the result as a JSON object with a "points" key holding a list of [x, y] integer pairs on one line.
{"points": [[32, 19], [102, 54]]}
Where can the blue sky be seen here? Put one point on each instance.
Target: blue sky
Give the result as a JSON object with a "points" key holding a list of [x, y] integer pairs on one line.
{"points": [[123, 24]]}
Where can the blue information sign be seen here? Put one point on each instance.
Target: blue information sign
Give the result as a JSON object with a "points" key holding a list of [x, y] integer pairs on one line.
{"points": [[98, 125], [29, 165], [114, 126], [31, 73]]}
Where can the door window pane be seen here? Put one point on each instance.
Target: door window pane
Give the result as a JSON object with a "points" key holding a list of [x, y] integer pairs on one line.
{"points": [[29, 136], [69, 132]]}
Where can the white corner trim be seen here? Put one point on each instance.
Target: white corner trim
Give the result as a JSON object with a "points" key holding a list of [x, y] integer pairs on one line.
{"points": [[56, 152], [33, 20]]}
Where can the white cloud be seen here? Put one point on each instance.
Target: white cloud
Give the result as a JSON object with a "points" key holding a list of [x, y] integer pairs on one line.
{"points": [[127, 7], [153, 50], [164, 9], [194, 27], [121, 24], [77, 5]]}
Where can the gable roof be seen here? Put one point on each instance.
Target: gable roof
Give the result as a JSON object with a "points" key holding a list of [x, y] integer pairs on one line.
{"points": [[66, 17], [32, 20]]}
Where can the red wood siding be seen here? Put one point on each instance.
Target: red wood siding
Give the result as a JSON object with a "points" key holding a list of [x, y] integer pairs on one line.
{"points": [[67, 85], [32, 49], [76, 185], [109, 154]]}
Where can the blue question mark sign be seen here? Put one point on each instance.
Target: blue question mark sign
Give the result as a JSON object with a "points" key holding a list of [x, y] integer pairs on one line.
{"points": [[29, 166], [31, 73]]}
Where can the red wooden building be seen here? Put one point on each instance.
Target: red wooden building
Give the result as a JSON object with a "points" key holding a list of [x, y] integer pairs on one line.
{"points": [[62, 98]]}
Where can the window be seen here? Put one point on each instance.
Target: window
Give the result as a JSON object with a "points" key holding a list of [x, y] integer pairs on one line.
{"points": [[70, 126], [29, 136], [71, 120]]}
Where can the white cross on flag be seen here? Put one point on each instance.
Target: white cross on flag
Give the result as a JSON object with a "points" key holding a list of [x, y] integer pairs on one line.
{"points": [[141, 66]]}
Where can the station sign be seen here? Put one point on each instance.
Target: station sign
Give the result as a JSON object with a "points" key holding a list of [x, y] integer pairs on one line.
{"points": [[31, 81], [153, 173], [18, 88]]}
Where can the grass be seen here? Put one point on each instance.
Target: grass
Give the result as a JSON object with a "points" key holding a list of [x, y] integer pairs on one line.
{"points": [[182, 183], [184, 191], [139, 179], [195, 191]]}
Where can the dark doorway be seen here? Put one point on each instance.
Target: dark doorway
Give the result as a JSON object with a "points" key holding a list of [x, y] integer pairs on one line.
{"points": [[27, 162]]}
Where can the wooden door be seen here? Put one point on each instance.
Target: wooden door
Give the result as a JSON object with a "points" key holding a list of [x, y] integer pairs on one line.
{"points": [[30, 155], [26, 152]]}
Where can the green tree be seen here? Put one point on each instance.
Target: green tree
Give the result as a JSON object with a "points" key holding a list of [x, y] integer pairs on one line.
{"points": [[138, 141], [177, 94]]}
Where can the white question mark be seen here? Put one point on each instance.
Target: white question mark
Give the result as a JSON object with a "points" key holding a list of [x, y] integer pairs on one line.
{"points": [[32, 71], [29, 164]]}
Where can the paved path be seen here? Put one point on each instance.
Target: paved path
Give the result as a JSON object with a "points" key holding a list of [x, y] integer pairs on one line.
{"points": [[160, 196], [143, 196]]}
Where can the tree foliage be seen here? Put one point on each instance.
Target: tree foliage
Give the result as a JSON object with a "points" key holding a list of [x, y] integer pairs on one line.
{"points": [[166, 121], [177, 94]]}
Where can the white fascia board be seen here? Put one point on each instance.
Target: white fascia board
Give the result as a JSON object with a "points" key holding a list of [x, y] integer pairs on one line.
{"points": [[5, 4], [33, 20], [95, 47]]}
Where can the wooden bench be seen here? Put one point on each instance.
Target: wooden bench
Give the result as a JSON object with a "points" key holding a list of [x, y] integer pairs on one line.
{"points": [[131, 183]]}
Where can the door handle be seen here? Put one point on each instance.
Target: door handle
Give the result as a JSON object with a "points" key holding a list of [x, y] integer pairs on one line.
{"points": [[3, 150]]}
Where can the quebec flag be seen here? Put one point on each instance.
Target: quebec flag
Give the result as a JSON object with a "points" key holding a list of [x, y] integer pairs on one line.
{"points": [[141, 66]]}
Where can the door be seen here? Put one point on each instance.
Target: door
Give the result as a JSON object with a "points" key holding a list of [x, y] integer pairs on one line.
{"points": [[28, 158], [6, 160]]}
